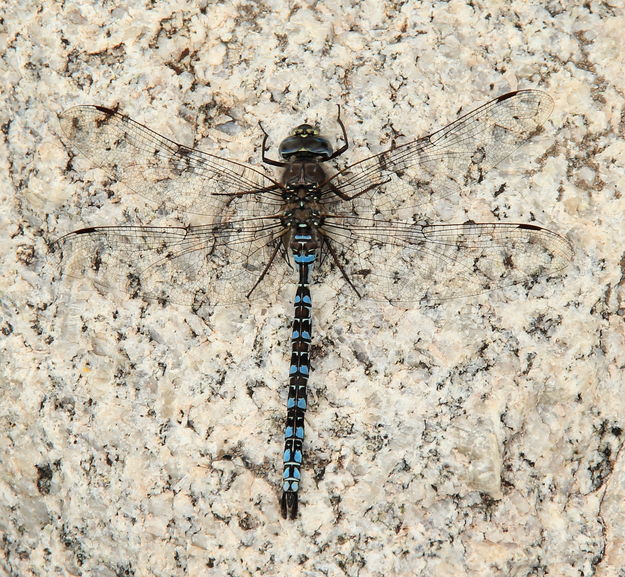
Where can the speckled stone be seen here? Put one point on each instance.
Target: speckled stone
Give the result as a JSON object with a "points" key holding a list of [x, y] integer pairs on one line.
{"points": [[478, 438]]}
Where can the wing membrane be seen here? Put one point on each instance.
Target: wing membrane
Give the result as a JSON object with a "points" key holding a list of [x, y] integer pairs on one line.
{"points": [[378, 236], [173, 176], [192, 265], [429, 263], [399, 181]]}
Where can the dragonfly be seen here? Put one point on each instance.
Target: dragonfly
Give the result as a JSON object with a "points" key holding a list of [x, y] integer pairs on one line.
{"points": [[366, 228]]}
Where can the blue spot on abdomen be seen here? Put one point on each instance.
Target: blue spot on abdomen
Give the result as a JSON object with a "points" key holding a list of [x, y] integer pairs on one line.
{"points": [[304, 258]]}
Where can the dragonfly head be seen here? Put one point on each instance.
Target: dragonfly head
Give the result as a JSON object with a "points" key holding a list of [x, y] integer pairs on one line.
{"points": [[305, 142]]}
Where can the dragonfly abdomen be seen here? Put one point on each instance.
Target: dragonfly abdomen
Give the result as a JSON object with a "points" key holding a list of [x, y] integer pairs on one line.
{"points": [[304, 255]]}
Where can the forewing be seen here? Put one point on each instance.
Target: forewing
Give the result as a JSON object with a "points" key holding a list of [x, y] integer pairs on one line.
{"points": [[430, 263], [399, 181], [172, 176]]}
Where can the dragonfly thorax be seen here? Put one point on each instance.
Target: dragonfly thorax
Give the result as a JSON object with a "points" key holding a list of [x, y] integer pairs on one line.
{"points": [[302, 216], [300, 193]]}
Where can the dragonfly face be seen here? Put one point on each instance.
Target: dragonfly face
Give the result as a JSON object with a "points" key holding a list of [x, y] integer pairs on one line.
{"points": [[305, 142]]}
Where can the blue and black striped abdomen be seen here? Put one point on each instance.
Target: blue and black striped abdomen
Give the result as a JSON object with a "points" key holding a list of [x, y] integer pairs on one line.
{"points": [[304, 256]]}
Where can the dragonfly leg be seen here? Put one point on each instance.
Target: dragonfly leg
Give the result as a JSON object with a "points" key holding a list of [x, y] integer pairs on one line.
{"points": [[335, 258], [269, 263], [345, 146], [267, 160]]}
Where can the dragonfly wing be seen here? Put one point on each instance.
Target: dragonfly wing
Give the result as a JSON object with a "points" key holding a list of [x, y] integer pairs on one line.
{"points": [[170, 175], [400, 180], [192, 265], [429, 263]]}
